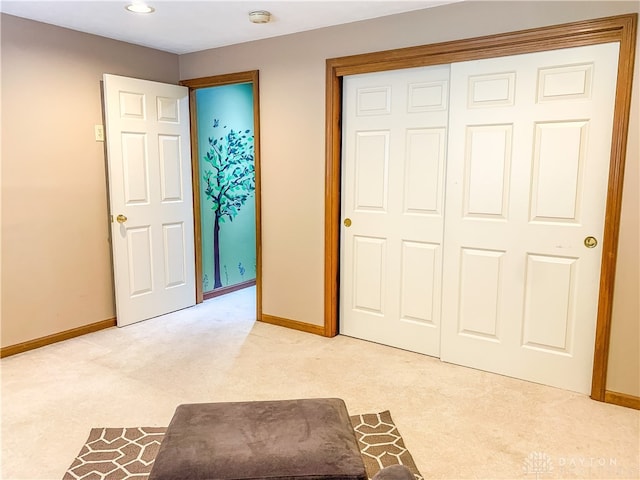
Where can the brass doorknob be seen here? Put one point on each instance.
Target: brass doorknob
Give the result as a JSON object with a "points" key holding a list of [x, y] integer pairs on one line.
{"points": [[347, 222], [590, 242], [121, 218]]}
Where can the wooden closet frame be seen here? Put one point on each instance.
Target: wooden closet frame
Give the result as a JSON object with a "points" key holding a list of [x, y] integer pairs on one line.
{"points": [[621, 28]]}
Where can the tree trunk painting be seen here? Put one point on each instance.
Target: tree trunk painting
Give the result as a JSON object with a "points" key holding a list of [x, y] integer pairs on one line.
{"points": [[217, 281]]}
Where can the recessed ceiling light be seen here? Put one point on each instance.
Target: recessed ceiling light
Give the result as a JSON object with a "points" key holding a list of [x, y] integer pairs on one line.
{"points": [[259, 16], [138, 7]]}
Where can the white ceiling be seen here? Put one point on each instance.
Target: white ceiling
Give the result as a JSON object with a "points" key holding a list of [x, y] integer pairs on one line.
{"points": [[189, 26]]}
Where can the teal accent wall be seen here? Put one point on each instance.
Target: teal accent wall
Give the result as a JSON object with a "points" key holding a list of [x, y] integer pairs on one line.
{"points": [[221, 110]]}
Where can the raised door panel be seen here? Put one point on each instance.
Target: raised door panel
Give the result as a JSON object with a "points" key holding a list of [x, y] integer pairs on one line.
{"points": [[559, 156], [425, 163], [139, 256], [371, 171], [480, 291], [174, 252], [369, 257], [135, 168], [549, 303], [171, 168], [420, 272], [487, 167]]}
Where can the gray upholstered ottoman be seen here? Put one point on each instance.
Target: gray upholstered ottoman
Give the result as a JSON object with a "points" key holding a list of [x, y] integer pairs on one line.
{"points": [[308, 439]]}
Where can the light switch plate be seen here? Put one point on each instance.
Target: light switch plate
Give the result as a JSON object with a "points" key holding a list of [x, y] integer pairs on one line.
{"points": [[99, 130]]}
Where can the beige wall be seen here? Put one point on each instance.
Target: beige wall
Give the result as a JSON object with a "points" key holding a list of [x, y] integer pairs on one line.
{"points": [[56, 272], [292, 96], [56, 264]]}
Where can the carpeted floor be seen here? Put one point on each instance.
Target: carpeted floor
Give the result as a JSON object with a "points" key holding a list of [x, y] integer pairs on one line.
{"points": [[128, 453], [458, 423]]}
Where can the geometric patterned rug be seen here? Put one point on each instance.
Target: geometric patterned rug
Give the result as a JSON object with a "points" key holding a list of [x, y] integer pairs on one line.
{"points": [[381, 444], [128, 453]]}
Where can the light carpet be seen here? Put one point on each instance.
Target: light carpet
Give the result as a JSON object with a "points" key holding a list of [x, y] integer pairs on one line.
{"points": [[128, 453]]}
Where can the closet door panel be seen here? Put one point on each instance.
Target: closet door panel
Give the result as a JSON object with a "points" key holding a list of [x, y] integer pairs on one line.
{"points": [[527, 168], [394, 159]]}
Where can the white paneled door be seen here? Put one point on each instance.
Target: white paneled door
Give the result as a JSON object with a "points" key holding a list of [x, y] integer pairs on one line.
{"points": [[476, 199], [394, 147], [149, 163], [527, 172]]}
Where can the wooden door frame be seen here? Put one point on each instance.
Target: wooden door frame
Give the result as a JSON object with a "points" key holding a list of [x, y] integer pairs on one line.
{"points": [[621, 28], [217, 81]]}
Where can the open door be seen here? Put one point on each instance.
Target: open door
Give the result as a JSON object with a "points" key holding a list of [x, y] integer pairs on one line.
{"points": [[150, 195]]}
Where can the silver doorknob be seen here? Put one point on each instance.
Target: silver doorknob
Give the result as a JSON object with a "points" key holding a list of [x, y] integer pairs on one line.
{"points": [[590, 242], [121, 218]]}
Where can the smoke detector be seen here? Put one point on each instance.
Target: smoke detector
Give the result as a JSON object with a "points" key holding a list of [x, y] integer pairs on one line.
{"points": [[259, 16]]}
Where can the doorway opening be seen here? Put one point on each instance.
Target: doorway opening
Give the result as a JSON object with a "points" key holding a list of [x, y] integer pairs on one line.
{"points": [[225, 138]]}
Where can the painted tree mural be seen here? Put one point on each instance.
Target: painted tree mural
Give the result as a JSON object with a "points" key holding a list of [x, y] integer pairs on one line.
{"points": [[230, 180]]}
